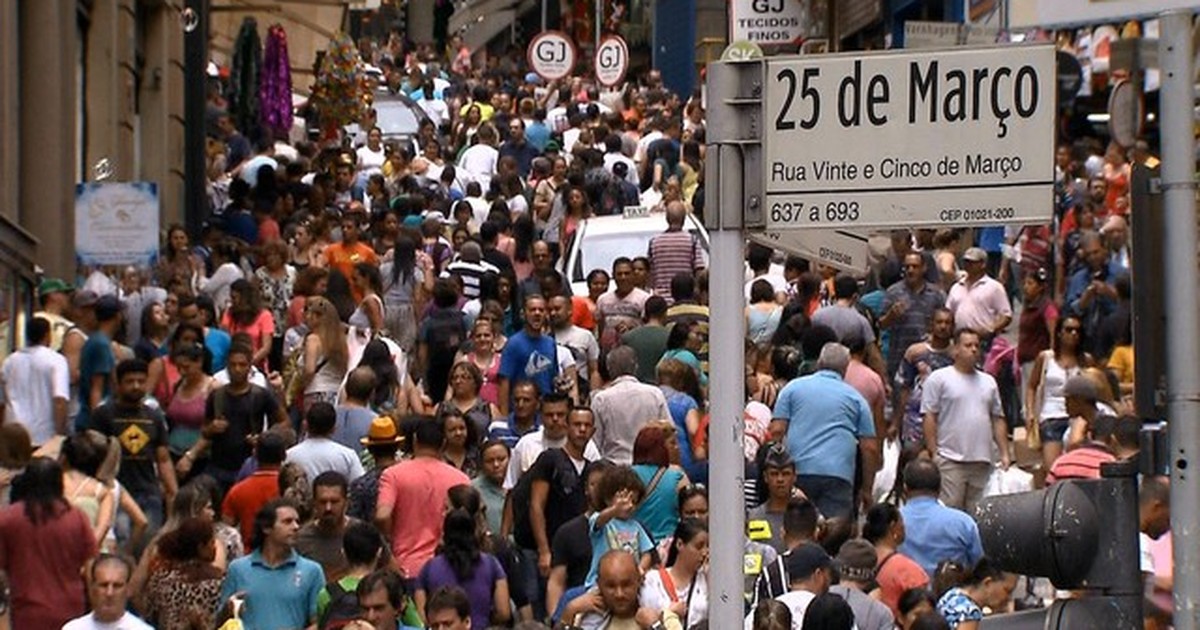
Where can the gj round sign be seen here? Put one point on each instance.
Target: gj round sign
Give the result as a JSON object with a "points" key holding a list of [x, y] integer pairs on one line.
{"points": [[551, 54], [612, 60]]}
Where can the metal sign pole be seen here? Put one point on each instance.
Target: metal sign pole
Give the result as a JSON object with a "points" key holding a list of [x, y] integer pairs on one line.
{"points": [[730, 175], [1183, 373]]}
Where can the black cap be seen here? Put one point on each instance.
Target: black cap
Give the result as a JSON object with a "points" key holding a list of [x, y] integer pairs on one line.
{"points": [[108, 307], [804, 560]]}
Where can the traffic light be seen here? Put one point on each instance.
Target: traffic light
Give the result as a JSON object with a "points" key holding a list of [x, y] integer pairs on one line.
{"points": [[1083, 536]]}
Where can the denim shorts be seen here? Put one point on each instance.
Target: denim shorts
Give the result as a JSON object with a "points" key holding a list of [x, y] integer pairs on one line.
{"points": [[1054, 429]]}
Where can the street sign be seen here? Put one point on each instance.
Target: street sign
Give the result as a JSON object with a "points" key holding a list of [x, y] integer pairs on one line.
{"points": [[770, 22], [552, 55], [612, 60], [843, 250], [1126, 113], [959, 137]]}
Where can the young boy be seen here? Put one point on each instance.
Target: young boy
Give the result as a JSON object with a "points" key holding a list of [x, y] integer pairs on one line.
{"points": [[621, 490]]}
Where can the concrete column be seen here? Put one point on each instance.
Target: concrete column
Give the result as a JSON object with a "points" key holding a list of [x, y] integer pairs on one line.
{"points": [[161, 111], [10, 140], [47, 51], [110, 92]]}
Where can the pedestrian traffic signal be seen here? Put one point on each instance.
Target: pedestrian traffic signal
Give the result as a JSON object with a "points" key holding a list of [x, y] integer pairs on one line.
{"points": [[1082, 534]]}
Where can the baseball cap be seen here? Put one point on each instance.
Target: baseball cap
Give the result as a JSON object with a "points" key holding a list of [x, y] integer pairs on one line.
{"points": [[532, 77], [108, 307], [974, 254], [1081, 386], [552, 145], [856, 560], [777, 456], [84, 299], [804, 560], [53, 285]]}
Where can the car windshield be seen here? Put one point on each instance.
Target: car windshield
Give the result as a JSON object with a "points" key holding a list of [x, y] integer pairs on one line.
{"points": [[396, 119]]}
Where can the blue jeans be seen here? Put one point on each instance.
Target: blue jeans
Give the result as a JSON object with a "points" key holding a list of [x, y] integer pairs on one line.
{"points": [[833, 496], [535, 584]]}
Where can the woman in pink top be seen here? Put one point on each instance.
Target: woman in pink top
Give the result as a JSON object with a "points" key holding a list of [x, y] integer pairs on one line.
{"points": [[247, 315]]}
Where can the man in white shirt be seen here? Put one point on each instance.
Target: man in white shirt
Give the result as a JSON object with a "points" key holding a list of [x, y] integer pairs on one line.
{"points": [[434, 107], [108, 592], [479, 160], [318, 452], [37, 385]]}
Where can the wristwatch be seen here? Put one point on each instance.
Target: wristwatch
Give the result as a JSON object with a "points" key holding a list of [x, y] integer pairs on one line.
{"points": [[658, 625]]}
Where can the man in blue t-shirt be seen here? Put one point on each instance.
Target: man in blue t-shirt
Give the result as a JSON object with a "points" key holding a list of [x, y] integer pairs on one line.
{"points": [[96, 360], [529, 354]]}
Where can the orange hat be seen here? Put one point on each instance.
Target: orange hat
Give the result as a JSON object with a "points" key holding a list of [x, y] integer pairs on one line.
{"points": [[382, 432]]}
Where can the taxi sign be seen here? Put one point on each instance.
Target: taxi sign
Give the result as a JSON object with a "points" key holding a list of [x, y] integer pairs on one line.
{"points": [[552, 55], [611, 60], [957, 137], [635, 212]]}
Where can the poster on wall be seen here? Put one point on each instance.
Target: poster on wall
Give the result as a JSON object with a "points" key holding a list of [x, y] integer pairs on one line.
{"points": [[116, 223]]}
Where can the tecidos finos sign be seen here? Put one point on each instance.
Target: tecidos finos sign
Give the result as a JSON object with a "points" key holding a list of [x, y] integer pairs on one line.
{"points": [[769, 22], [612, 60], [551, 55]]}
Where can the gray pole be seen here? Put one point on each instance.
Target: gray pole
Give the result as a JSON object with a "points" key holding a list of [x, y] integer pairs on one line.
{"points": [[724, 192], [1183, 337], [544, 9]]}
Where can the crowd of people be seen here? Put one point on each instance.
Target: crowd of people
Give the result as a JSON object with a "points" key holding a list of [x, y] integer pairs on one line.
{"points": [[366, 396]]}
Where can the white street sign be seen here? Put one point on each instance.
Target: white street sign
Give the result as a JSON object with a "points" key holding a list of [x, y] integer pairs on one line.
{"points": [[612, 60], [552, 55], [770, 22], [952, 138], [837, 248]]}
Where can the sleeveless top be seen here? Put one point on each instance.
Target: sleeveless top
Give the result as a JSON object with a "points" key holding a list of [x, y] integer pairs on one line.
{"points": [[762, 325], [490, 391], [1054, 378], [359, 318], [89, 504]]}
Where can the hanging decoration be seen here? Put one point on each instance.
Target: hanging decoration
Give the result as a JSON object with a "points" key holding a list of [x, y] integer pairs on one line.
{"points": [[275, 85], [339, 93], [243, 80]]}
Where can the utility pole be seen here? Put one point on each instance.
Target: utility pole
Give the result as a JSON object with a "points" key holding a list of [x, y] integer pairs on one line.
{"points": [[1176, 99]]}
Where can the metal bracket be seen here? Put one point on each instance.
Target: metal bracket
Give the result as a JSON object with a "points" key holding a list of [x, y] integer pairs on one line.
{"points": [[735, 126]]}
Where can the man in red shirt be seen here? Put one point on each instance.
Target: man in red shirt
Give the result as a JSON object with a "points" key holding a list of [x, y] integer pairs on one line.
{"points": [[351, 251], [248, 495], [411, 496]]}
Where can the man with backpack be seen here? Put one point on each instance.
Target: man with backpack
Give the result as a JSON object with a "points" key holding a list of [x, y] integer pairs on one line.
{"points": [[339, 604]]}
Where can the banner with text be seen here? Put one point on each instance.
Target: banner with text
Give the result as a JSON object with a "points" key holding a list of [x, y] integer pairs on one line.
{"points": [[116, 223], [947, 138]]}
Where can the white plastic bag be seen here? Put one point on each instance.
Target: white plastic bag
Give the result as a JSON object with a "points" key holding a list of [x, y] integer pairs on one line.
{"points": [[885, 479], [1009, 481]]}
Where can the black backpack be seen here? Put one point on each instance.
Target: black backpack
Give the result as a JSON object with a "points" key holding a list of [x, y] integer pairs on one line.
{"points": [[343, 607]]}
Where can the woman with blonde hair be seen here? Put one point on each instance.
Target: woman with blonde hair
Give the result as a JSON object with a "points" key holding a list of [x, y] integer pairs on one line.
{"points": [[326, 353]]}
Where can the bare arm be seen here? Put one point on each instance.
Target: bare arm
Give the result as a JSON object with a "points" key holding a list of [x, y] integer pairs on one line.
{"points": [[502, 393], [501, 607], [1035, 381], [166, 474], [778, 428], [556, 585], [929, 429], [537, 521], [1000, 434]]}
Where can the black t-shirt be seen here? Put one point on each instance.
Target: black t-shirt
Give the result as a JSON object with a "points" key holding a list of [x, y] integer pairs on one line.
{"points": [[141, 430], [572, 547], [566, 500], [248, 414]]}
